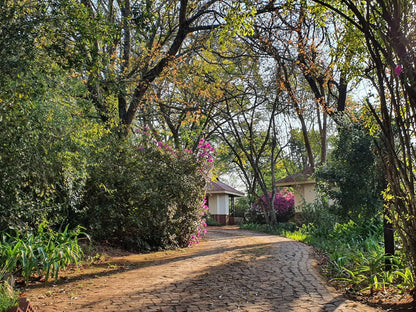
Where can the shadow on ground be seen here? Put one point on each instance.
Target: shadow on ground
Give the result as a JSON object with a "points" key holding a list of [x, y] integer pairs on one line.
{"points": [[231, 271]]}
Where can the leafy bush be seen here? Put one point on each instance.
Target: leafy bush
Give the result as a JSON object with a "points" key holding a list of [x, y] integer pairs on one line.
{"points": [[46, 143], [145, 195], [211, 221], [44, 252], [241, 206], [352, 178], [283, 203], [318, 218]]}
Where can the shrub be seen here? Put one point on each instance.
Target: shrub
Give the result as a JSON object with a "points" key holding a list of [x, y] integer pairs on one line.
{"points": [[211, 221], [352, 177], [45, 148], [284, 205], [146, 195], [318, 217], [242, 205]]}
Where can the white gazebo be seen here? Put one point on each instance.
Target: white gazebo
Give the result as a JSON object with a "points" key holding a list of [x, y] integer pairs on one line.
{"points": [[219, 195], [303, 186]]}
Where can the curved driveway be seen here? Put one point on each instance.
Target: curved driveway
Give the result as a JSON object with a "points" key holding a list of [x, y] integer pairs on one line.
{"points": [[230, 270]]}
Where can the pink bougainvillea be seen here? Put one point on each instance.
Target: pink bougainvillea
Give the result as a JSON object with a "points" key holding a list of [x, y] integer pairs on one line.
{"points": [[201, 162], [398, 70], [284, 204]]}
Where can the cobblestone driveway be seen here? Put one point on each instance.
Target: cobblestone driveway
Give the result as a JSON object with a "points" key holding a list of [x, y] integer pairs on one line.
{"points": [[231, 270]]}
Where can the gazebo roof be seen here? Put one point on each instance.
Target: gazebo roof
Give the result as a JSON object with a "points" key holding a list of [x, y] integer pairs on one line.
{"points": [[298, 178], [219, 187]]}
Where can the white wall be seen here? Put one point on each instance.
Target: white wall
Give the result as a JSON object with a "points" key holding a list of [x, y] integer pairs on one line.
{"points": [[309, 193], [219, 204], [304, 193]]}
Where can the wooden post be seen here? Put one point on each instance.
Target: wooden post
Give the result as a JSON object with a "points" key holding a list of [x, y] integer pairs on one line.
{"points": [[388, 240]]}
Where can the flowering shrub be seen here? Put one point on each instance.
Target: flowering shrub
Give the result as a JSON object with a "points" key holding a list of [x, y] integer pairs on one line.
{"points": [[150, 195], [284, 205]]}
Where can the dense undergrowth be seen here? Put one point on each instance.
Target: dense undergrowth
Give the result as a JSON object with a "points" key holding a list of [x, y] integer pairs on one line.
{"points": [[354, 252]]}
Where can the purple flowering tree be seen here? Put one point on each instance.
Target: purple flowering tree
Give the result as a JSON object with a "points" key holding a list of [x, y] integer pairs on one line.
{"points": [[283, 205]]}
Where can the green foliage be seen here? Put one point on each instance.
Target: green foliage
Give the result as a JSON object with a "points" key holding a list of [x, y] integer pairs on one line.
{"points": [[58, 162], [318, 218], [239, 21], [407, 279], [365, 271], [44, 147], [241, 206], [351, 177], [17, 47], [211, 221], [8, 298], [44, 252]]}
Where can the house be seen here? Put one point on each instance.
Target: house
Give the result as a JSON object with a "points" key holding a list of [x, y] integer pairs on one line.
{"points": [[220, 197], [303, 186]]}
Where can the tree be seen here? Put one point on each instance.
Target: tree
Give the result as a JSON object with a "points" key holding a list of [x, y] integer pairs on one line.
{"points": [[122, 47], [183, 103], [250, 132], [388, 31], [44, 151], [296, 39], [352, 178], [42, 167], [17, 47], [296, 146]]}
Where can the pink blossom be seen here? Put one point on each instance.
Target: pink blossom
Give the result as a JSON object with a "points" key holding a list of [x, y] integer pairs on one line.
{"points": [[398, 70], [283, 203]]}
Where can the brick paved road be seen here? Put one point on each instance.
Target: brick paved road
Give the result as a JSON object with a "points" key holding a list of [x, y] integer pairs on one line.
{"points": [[231, 270]]}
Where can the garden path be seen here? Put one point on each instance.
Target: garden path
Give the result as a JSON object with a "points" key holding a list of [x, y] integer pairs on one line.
{"points": [[230, 270]]}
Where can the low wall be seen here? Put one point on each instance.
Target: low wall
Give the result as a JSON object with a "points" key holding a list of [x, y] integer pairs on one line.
{"points": [[221, 218]]}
